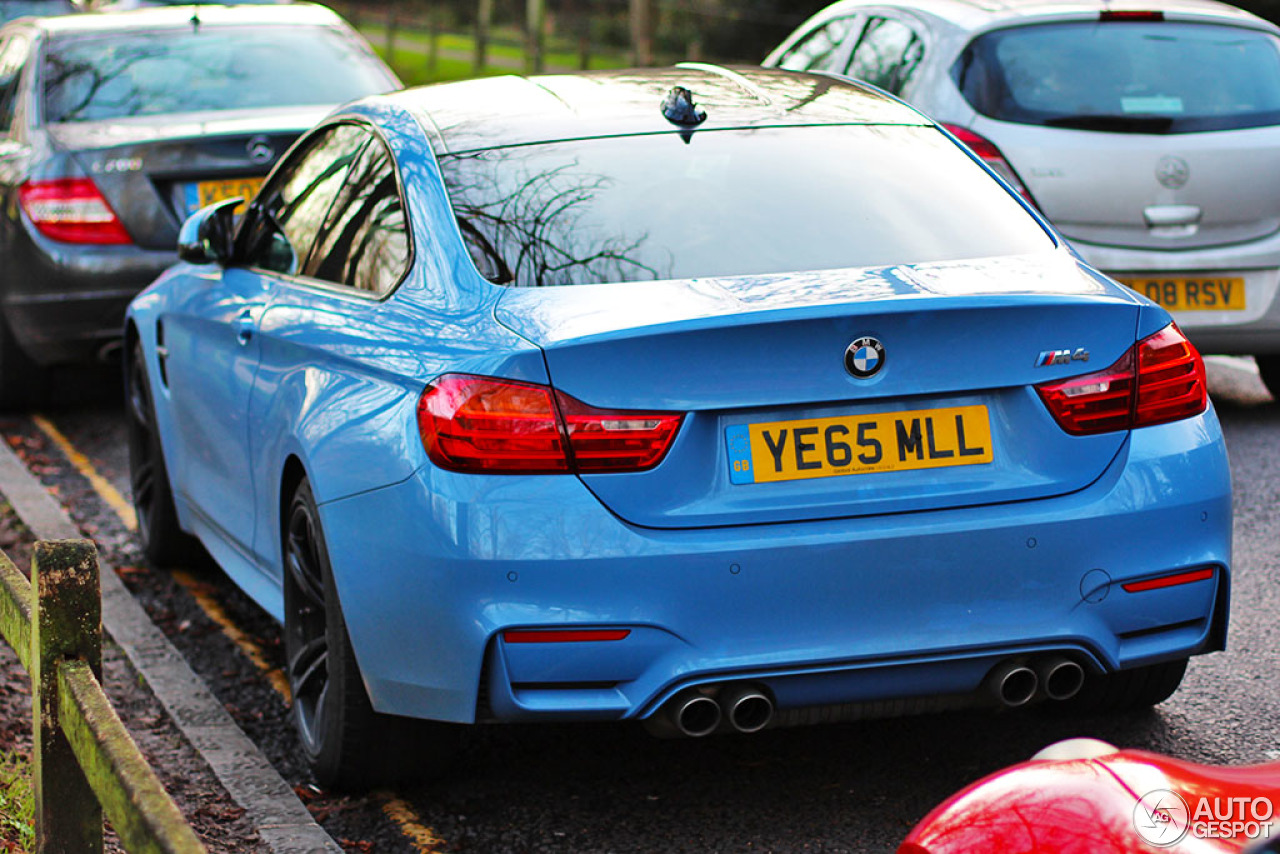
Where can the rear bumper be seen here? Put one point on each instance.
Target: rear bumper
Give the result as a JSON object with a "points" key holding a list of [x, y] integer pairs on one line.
{"points": [[64, 302], [1255, 330], [912, 605]]}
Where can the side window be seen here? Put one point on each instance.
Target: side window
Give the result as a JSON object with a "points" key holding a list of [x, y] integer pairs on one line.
{"points": [[289, 214], [365, 240], [13, 56], [887, 55], [820, 49]]}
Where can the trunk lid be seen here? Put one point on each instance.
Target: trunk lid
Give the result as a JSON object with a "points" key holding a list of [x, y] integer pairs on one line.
{"points": [[748, 358], [155, 171], [1176, 191]]}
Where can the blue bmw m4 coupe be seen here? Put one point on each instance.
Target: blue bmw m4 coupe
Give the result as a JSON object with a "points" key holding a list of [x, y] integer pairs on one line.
{"points": [[716, 399]]}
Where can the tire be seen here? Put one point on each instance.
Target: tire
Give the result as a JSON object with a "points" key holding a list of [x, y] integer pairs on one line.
{"points": [[1269, 370], [22, 382], [346, 743], [163, 540], [1127, 690]]}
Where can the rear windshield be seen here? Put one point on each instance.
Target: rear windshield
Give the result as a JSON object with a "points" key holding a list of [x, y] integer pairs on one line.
{"points": [[118, 75], [1134, 76], [730, 203]]}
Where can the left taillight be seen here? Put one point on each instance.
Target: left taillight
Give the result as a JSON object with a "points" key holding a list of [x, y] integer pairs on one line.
{"points": [[1160, 379], [72, 210], [484, 424]]}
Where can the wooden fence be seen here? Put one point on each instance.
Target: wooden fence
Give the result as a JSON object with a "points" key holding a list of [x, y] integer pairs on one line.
{"points": [[533, 43], [84, 762]]}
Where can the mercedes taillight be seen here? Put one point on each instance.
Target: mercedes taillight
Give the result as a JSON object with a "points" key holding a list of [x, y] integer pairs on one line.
{"points": [[72, 210]]}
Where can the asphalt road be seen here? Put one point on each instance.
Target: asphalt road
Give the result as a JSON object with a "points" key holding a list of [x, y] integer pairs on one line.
{"points": [[853, 787]]}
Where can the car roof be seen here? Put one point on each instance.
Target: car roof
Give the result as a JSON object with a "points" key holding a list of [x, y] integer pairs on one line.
{"points": [[515, 110], [980, 14], [165, 17]]}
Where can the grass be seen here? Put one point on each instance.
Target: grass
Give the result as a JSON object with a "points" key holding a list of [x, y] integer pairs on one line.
{"points": [[412, 68], [455, 50], [17, 805]]}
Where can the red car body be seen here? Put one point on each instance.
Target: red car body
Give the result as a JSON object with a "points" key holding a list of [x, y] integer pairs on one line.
{"points": [[1107, 801]]}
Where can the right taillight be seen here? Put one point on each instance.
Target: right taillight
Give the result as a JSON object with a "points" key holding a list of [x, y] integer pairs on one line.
{"points": [[1160, 379], [484, 424], [72, 210], [989, 154]]}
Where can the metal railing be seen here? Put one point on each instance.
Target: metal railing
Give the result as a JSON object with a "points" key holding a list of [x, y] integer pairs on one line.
{"points": [[84, 762]]}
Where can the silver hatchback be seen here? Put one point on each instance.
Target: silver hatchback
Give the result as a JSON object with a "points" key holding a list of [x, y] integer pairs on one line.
{"points": [[1149, 135]]}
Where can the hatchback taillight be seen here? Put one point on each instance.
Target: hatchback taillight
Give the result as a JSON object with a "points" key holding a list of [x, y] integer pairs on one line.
{"points": [[72, 210], [482, 424], [1130, 15], [1160, 379], [992, 156]]}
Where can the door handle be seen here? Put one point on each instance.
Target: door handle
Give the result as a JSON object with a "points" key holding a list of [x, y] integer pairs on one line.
{"points": [[244, 327]]}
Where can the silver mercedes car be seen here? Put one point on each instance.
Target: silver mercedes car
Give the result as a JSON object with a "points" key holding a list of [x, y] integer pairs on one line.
{"points": [[1148, 134]]}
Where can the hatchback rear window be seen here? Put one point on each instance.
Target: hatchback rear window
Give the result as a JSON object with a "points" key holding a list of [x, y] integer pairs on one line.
{"points": [[730, 203], [119, 75], [1125, 76]]}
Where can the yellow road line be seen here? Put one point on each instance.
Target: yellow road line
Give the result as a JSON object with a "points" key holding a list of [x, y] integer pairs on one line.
{"points": [[100, 484], [423, 838], [201, 593]]}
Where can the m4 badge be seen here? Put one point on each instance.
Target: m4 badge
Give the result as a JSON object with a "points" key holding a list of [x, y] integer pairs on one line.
{"points": [[1061, 357]]}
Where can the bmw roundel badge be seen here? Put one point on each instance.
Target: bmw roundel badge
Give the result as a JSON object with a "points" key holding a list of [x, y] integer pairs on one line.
{"points": [[864, 358]]}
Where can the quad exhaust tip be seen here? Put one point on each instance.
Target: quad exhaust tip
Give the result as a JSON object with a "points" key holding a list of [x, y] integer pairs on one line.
{"points": [[1061, 677], [1015, 682], [695, 714], [698, 712], [747, 708]]}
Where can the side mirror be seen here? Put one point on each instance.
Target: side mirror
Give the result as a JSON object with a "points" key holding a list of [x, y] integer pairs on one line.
{"points": [[208, 235]]}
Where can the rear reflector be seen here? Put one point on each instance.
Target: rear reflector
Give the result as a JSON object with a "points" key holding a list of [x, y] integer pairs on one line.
{"points": [[482, 424], [563, 635], [72, 210], [1160, 379], [1168, 581], [992, 156]]}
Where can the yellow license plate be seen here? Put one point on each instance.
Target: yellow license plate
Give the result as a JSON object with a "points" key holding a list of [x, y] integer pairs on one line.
{"points": [[1190, 294], [859, 444], [208, 192]]}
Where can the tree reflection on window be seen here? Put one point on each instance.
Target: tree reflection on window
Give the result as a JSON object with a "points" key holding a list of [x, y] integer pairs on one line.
{"points": [[365, 243], [537, 223], [290, 214], [733, 202], [120, 75]]}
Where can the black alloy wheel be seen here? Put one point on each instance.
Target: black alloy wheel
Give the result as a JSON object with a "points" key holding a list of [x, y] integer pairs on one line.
{"points": [[1269, 370], [346, 743], [307, 622], [163, 540]]}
